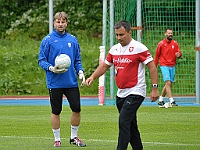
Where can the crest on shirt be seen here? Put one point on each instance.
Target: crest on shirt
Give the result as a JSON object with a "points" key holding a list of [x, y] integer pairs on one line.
{"points": [[131, 49], [69, 44], [173, 46]]}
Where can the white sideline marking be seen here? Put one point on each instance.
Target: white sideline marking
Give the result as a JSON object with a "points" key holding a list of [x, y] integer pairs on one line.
{"points": [[25, 137], [180, 144], [96, 140]]}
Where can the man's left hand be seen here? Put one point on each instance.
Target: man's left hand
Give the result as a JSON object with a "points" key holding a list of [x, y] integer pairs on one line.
{"points": [[154, 95]]}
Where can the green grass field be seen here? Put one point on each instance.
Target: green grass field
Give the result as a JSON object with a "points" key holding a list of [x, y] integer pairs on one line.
{"points": [[29, 128]]}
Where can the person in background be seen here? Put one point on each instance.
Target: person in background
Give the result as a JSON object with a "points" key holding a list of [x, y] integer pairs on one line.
{"points": [[166, 53], [129, 58], [62, 81]]}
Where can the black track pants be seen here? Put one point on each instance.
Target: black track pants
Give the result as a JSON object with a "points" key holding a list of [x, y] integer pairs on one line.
{"points": [[128, 129]]}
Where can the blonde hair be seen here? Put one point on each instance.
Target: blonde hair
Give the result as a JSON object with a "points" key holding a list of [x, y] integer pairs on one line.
{"points": [[62, 15]]}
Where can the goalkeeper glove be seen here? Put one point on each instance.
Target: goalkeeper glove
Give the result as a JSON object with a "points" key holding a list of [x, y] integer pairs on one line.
{"points": [[55, 69], [81, 77]]}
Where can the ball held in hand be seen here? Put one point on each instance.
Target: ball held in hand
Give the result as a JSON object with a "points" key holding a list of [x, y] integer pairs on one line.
{"points": [[62, 61]]}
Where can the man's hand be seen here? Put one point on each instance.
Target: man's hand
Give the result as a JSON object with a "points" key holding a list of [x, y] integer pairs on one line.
{"points": [[177, 54], [81, 77], [89, 81], [154, 94], [57, 70]]}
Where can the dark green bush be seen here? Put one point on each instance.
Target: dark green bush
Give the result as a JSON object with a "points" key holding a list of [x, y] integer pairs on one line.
{"points": [[32, 16]]}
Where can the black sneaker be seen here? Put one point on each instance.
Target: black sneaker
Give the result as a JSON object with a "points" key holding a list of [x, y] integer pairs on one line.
{"points": [[161, 103], [174, 103], [77, 141]]}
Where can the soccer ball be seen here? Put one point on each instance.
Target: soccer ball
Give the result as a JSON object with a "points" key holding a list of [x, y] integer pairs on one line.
{"points": [[168, 105], [63, 61]]}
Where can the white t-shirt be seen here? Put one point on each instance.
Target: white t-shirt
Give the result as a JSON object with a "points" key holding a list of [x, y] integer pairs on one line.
{"points": [[129, 62]]}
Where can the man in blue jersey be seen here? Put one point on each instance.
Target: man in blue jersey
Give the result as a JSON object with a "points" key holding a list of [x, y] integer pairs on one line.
{"points": [[62, 81]]}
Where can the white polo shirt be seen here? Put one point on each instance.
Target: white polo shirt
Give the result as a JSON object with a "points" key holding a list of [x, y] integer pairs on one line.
{"points": [[129, 62]]}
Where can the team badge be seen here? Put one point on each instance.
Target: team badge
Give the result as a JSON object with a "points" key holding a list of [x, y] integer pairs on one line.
{"points": [[131, 49], [69, 44]]}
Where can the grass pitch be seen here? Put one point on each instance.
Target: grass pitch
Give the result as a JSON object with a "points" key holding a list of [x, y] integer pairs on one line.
{"points": [[29, 128]]}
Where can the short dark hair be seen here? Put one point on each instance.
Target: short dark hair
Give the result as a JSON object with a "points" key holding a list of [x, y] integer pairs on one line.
{"points": [[123, 23]]}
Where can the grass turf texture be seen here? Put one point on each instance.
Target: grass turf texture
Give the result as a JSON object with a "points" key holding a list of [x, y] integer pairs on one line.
{"points": [[29, 128]]}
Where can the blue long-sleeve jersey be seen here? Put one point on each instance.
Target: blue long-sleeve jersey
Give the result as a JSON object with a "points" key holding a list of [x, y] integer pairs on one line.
{"points": [[53, 45]]}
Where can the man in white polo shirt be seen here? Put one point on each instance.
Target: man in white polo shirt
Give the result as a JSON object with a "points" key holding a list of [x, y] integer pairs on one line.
{"points": [[129, 58]]}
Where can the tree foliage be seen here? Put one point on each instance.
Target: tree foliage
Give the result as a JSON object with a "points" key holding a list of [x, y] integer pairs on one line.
{"points": [[32, 16]]}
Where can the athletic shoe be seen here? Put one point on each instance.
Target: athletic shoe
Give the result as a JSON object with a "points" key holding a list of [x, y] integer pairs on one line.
{"points": [[77, 142], [57, 144], [174, 103], [161, 103]]}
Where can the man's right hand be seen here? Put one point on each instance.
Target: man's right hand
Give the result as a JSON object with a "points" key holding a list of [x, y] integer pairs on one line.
{"points": [[57, 70], [89, 81]]}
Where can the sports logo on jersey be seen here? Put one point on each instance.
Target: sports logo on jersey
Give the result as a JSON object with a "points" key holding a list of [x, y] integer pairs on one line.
{"points": [[122, 60], [173, 46], [131, 49], [69, 44]]}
